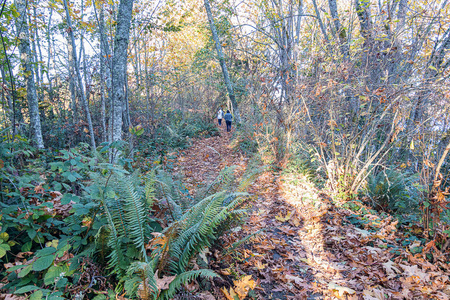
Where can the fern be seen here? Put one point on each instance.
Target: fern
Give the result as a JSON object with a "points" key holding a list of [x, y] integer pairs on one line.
{"points": [[135, 215], [141, 275], [182, 279], [198, 227], [125, 204], [222, 182]]}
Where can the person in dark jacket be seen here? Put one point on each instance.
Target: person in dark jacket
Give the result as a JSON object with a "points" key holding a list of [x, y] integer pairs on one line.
{"points": [[228, 118]]}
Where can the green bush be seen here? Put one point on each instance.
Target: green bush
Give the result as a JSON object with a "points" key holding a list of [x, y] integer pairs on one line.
{"points": [[78, 208], [393, 190], [302, 163], [176, 135]]}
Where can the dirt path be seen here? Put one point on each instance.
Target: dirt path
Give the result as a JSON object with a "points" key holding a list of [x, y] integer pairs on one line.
{"points": [[307, 248]]}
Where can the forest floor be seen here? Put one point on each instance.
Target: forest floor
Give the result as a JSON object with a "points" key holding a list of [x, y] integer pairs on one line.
{"points": [[309, 247]]}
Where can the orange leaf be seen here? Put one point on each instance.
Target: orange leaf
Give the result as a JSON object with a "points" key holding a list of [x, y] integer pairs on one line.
{"points": [[244, 285], [229, 296]]}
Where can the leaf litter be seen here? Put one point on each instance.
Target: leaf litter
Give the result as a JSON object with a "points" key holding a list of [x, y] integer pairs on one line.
{"points": [[308, 247]]}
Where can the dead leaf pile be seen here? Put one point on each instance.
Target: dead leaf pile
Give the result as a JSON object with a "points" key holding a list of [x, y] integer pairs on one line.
{"points": [[307, 246]]}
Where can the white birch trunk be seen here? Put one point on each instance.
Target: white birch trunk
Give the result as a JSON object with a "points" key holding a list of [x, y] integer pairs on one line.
{"points": [[223, 65], [80, 81], [120, 65], [26, 60]]}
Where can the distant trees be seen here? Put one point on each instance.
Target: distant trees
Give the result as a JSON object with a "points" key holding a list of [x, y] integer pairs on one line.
{"points": [[222, 61], [361, 84], [78, 74]]}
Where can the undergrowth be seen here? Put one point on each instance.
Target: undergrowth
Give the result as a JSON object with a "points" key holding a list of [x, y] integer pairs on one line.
{"points": [[80, 226]]}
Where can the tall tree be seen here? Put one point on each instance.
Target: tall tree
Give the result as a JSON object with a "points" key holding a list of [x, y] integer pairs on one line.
{"points": [[222, 62], [26, 62], [119, 70], [80, 81]]}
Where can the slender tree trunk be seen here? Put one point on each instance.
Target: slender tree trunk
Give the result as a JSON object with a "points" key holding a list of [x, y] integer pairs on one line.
{"points": [[49, 52], [222, 62], [38, 43], [319, 19], [340, 31], [120, 65], [103, 61], [37, 66], [72, 84], [26, 60], [8, 98], [80, 81]]}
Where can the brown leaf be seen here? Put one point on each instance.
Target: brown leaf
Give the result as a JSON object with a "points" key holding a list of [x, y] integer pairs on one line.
{"points": [[163, 283]]}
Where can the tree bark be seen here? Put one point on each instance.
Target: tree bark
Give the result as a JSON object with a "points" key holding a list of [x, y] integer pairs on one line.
{"points": [[80, 81], [339, 30], [222, 62], [26, 60], [103, 61], [121, 40], [49, 53], [72, 84]]}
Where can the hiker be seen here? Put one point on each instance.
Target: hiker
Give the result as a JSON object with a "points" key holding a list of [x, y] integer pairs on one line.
{"points": [[228, 118], [220, 116]]}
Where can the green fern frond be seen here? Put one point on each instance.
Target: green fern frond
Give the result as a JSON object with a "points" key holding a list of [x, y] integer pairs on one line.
{"points": [[149, 189], [249, 178], [185, 278], [222, 181], [134, 215]]}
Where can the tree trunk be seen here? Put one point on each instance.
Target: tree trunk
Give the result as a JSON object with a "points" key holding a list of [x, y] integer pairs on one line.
{"points": [[9, 100], [72, 84], [25, 59], [223, 65], [120, 65], [103, 61], [49, 53], [80, 81], [339, 30]]}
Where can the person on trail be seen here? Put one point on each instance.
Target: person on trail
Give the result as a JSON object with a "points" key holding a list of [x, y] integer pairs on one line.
{"points": [[220, 116], [228, 118]]}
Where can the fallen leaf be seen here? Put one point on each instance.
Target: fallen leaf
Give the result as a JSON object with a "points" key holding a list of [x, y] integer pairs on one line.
{"points": [[244, 285], [231, 295], [340, 289], [163, 283], [283, 219]]}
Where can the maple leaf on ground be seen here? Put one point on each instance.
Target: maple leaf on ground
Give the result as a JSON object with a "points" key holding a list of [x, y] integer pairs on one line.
{"points": [[259, 265], [284, 219], [374, 294], [342, 290], [231, 295], [244, 285], [391, 270]]}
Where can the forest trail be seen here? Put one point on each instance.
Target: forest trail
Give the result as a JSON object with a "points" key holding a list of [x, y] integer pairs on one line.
{"points": [[308, 248]]}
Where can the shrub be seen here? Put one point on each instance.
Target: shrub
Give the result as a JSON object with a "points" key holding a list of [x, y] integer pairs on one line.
{"points": [[393, 190]]}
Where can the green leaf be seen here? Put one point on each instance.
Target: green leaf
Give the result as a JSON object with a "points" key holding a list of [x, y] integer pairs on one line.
{"points": [[46, 251], [26, 247], [26, 289], [54, 272], [3, 249], [71, 178], [69, 197], [24, 272], [37, 295], [43, 263]]}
